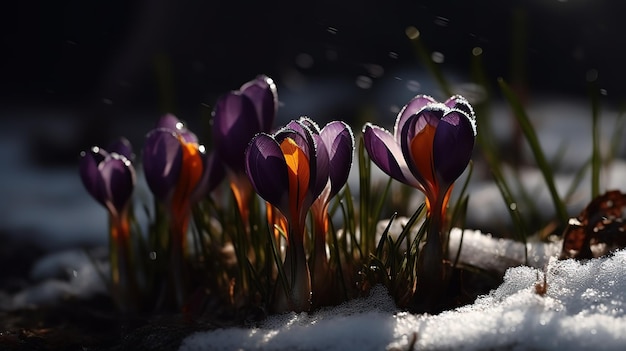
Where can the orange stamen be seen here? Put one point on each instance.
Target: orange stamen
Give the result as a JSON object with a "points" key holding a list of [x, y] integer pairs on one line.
{"points": [[298, 174], [421, 149], [190, 175]]}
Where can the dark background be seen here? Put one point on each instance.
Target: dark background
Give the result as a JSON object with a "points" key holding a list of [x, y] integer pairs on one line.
{"points": [[107, 66]]}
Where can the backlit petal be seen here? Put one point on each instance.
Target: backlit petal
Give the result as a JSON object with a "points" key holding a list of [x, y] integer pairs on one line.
{"points": [[122, 147], [162, 162], [234, 125], [118, 175], [452, 145], [267, 171], [298, 171], [262, 92], [412, 108], [339, 141], [90, 174], [385, 152]]}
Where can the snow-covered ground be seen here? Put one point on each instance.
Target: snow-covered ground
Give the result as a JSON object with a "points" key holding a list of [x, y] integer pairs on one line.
{"points": [[582, 308]]}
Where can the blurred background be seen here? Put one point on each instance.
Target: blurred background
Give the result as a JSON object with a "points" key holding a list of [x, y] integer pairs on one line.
{"points": [[80, 73]]}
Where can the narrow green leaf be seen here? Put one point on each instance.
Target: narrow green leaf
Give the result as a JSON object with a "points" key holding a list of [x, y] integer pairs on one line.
{"points": [[533, 141]]}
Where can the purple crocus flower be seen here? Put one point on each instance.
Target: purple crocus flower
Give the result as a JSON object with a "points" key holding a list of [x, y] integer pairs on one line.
{"points": [[237, 117], [339, 142], [289, 169], [431, 145], [108, 175], [241, 114], [173, 160], [179, 173]]}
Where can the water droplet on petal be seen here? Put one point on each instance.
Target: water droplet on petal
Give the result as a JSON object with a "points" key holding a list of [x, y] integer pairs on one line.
{"points": [[513, 206]]}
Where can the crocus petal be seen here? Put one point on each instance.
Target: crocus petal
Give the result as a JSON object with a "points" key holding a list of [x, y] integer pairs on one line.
{"points": [[322, 167], [416, 142], [339, 141], [452, 145], [192, 169], [301, 135], [171, 122], [119, 178], [234, 124], [122, 147], [90, 174], [162, 162], [460, 103], [299, 175], [385, 152], [267, 170], [262, 92], [412, 108], [313, 127]]}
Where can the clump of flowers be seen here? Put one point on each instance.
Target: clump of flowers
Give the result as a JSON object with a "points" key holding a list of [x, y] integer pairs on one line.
{"points": [[287, 254]]}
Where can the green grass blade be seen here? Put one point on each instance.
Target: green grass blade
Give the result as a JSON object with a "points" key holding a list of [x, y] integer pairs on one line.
{"points": [[596, 162], [533, 141]]}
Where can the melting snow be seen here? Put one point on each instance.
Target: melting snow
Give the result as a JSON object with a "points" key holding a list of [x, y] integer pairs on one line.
{"points": [[583, 308]]}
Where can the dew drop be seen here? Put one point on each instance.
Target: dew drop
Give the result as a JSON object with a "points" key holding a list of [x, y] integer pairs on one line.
{"points": [[513, 206], [477, 51]]}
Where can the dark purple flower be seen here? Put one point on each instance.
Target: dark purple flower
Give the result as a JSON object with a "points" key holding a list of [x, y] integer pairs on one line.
{"points": [[109, 176], [289, 169], [173, 161], [239, 115], [431, 145]]}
